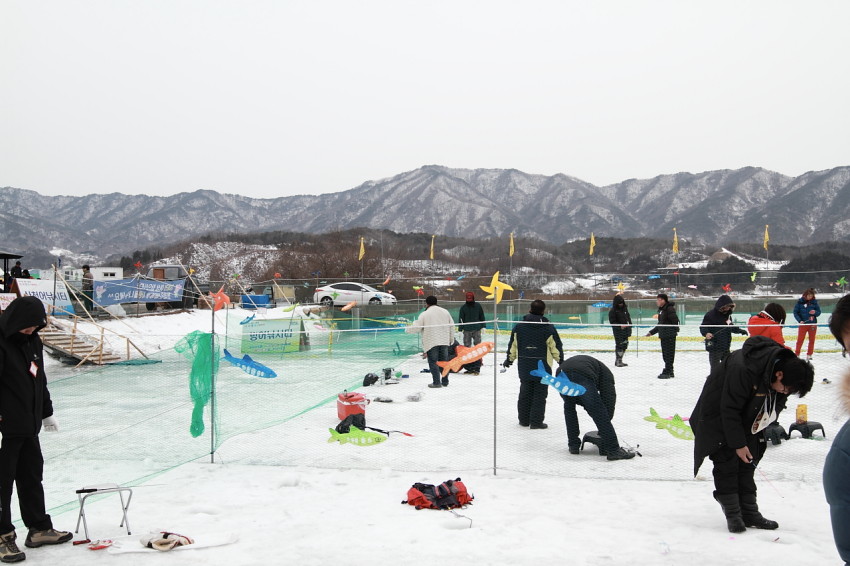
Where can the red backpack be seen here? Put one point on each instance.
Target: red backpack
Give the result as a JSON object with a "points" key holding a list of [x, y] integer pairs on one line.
{"points": [[451, 494]]}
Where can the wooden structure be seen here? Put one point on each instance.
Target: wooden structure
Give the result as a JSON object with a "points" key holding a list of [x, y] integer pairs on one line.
{"points": [[66, 340]]}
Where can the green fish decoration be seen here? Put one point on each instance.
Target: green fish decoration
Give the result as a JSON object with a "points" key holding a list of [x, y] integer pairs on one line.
{"points": [[677, 427], [753, 276], [357, 437], [291, 307]]}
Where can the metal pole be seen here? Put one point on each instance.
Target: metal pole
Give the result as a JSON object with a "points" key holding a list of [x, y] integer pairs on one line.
{"points": [[212, 386], [55, 270], [495, 374]]}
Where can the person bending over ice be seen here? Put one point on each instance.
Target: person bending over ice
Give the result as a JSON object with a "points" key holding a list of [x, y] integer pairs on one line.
{"points": [[599, 401], [740, 398]]}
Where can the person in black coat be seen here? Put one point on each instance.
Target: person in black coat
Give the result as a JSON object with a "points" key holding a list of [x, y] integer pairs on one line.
{"points": [[667, 329], [621, 326], [533, 340], [599, 401], [717, 329], [25, 406], [741, 397], [470, 321]]}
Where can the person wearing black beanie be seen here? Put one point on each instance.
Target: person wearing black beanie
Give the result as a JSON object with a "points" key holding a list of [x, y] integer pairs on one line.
{"points": [[667, 329], [621, 326]]}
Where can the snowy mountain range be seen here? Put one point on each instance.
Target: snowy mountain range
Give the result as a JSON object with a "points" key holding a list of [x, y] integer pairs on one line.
{"points": [[710, 207]]}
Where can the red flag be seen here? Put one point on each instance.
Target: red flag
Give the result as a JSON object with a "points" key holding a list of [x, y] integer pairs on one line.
{"points": [[138, 265]]}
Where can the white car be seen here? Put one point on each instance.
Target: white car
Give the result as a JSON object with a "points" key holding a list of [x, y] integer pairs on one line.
{"points": [[346, 292]]}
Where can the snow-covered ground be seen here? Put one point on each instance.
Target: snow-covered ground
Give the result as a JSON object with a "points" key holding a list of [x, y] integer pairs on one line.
{"points": [[295, 498]]}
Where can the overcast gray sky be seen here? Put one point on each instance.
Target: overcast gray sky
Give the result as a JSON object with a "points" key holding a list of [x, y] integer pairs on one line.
{"points": [[275, 98]]}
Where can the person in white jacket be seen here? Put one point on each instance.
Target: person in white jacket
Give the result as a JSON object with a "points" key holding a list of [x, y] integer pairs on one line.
{"points": [[436, 326]]}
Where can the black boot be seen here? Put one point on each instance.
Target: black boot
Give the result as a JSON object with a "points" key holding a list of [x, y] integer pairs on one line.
{"points": [[619, 363], [732, 509], [751, 515]]}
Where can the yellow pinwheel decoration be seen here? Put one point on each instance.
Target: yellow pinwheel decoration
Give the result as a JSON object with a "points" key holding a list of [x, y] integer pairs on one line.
{"points": [[496, 288]]}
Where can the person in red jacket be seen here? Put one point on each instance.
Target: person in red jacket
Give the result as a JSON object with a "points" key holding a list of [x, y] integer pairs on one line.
{"points": [[768, 323]]}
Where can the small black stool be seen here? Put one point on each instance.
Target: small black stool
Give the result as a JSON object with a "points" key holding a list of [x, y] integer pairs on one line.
{"points": [[775, 433], [806, 428], [593, 438]]}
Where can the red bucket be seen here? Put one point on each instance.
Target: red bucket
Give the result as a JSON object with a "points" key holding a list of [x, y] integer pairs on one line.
{"points": [[351, 404]]}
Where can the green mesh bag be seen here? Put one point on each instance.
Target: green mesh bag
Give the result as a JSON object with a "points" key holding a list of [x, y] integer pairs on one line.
{"points": [[200, 349]]}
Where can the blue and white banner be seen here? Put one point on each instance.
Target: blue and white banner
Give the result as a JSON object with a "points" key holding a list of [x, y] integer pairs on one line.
{"points": [[137, 290], [56, 303]]}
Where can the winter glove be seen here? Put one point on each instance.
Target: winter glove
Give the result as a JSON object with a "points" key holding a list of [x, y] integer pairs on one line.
{"points": [[507, 363], [49, 424]]}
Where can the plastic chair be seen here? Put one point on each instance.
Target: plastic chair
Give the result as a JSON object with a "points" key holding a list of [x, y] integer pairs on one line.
{"points": [[593, 438], [806, 428]]}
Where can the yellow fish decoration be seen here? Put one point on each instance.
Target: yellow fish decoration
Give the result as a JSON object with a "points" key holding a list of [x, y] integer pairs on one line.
{"points": [[357, 437]]}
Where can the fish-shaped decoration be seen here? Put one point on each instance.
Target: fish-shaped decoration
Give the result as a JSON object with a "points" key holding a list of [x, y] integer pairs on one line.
{"points": [[465, 356], [561, 383], [291, 308], [248, 365], [248, 319], [601, 305], [675, 426], [357, 437], [221, 299]]}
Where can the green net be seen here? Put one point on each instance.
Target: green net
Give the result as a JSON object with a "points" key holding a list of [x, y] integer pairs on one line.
{"points": [[200, 349], [126, 423]]}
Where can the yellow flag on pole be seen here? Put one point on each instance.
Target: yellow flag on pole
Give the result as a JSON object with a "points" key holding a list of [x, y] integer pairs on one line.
{"points": [[766, 236], [511, 249], [362, 249], [592, 243], [432, 246], [675, 242]]}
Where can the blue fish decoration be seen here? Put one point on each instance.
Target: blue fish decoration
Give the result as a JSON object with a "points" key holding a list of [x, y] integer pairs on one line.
{"points": [[249, 366], [461, 277], [249, 319], [562, 383], [601, 305], [653, 277]]}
